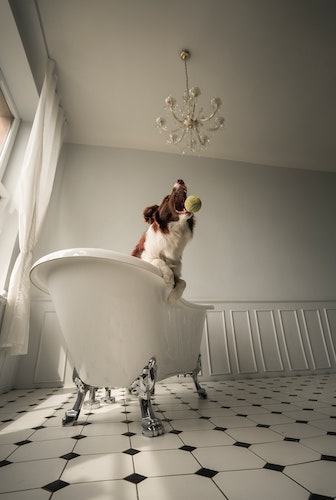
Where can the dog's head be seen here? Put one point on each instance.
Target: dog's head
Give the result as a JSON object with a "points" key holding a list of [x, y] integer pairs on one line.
{"points": [[171, 209]]}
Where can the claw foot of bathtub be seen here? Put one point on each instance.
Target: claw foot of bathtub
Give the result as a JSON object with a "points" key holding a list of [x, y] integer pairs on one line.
{"points": [[108, 399], [200, 390], [70, 417], [152, 427], [92, 403], [143, 387]]}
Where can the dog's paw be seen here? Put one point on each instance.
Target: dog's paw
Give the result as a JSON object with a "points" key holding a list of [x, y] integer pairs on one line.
{"points": [[169, 278], [176, 292]]}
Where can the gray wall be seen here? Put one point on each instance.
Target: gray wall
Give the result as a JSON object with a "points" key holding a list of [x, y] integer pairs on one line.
{"points": [[263, 233]]}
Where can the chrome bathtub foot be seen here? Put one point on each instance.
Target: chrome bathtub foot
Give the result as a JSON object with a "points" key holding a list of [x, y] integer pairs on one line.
{"points": [[143, 387], [92, 403], [108, 399], [200, 390], [71, 416]]}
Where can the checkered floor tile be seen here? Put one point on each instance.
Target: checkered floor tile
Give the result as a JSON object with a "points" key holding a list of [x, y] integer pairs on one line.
{"points": [[250, 439]]}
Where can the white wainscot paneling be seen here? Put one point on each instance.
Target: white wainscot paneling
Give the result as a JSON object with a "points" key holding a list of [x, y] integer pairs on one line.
{"points": [[249, 339], [47, 363], [268, 341], [292, 337], [316, 338], [216, 360], [244, 352]]}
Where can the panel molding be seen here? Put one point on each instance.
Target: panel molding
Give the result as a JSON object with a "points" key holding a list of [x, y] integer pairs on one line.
{"points": [[276, 338]]}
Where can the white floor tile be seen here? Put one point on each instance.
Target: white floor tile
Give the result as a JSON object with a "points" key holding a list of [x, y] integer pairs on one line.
{"points": [[253, 435], [317, 477], [104, 467], [326, 445], [98, 490], [179, 488], [27, 475], [221, 458], [102, 444], [206, 438], [284, 453], [42, 450], [298, 430], [260, 484], [36, 494], [165, 463]]}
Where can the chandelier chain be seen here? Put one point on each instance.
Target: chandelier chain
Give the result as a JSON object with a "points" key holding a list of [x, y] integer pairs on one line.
{"points": [[186, 75]]}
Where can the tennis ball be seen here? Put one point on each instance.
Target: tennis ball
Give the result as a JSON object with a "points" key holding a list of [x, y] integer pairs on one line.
{"points": [[193, 204]]}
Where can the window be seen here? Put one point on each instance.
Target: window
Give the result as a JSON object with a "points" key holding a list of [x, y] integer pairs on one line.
{"points": [[9, 123]]}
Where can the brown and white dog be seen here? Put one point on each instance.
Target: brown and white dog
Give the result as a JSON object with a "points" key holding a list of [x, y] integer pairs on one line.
{"points": [[171, 227]]}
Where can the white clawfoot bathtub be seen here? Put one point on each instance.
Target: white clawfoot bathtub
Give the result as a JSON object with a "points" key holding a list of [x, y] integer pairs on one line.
{"points": [[118, 326]]}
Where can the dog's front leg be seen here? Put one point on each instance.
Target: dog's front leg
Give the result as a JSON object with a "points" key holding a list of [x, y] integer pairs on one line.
{"points": [[177, 291], [165, 270]]}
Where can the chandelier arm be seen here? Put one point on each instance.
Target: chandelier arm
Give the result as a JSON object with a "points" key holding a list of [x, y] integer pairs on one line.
{"points": [[182, 137], [176, 117], [203, 120], [199, 136]]}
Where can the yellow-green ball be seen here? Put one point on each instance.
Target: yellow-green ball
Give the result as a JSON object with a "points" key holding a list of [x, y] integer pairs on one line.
{"points": [[193, 204]]}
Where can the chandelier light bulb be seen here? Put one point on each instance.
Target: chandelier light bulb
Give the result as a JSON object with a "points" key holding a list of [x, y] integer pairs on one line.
{"points": [[189, 124]]}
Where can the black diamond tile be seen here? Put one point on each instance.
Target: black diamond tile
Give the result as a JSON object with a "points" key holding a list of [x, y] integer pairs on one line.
{"points": [[38, 427], [175, 431], [129, 434], [3, 463], [21, 443], [301, 421], [241, 415], [126, 421], [70, 456], [328, 458], [206, 472], [205, 418], [55, 486], [187, 448], [79, 436], [51, 416], [243, 445], [7, 420], [331, 433], [135, 478], [22, 411], [294, 440], [315, 496], [276, 467], [223, 429], [131, 451], [264, 426]]}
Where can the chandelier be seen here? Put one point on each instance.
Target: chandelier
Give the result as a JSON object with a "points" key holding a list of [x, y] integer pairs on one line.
{"points": [[191, 130]]}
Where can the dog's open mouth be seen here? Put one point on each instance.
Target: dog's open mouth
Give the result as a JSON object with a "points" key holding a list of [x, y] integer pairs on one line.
{"points": [[180, 198]]}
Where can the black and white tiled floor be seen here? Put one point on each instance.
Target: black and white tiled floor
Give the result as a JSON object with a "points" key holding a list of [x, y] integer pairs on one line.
{"points": [[250, 440]]}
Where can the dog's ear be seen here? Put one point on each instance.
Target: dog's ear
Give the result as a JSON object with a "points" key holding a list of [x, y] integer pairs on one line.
{"points": [[149, 213]]}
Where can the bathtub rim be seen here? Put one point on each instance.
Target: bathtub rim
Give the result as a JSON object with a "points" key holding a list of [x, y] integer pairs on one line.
{"points": [[38, 271]]}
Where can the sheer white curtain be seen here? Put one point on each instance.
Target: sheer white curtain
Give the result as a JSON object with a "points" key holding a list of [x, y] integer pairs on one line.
{"points": [[36, 182]]}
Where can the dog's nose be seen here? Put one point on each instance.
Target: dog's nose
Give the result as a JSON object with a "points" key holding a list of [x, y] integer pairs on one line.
{"points": [[180, 181]]}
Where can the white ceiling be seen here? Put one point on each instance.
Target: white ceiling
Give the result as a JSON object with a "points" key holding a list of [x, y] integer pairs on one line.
{"points": [[272, 62]]}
